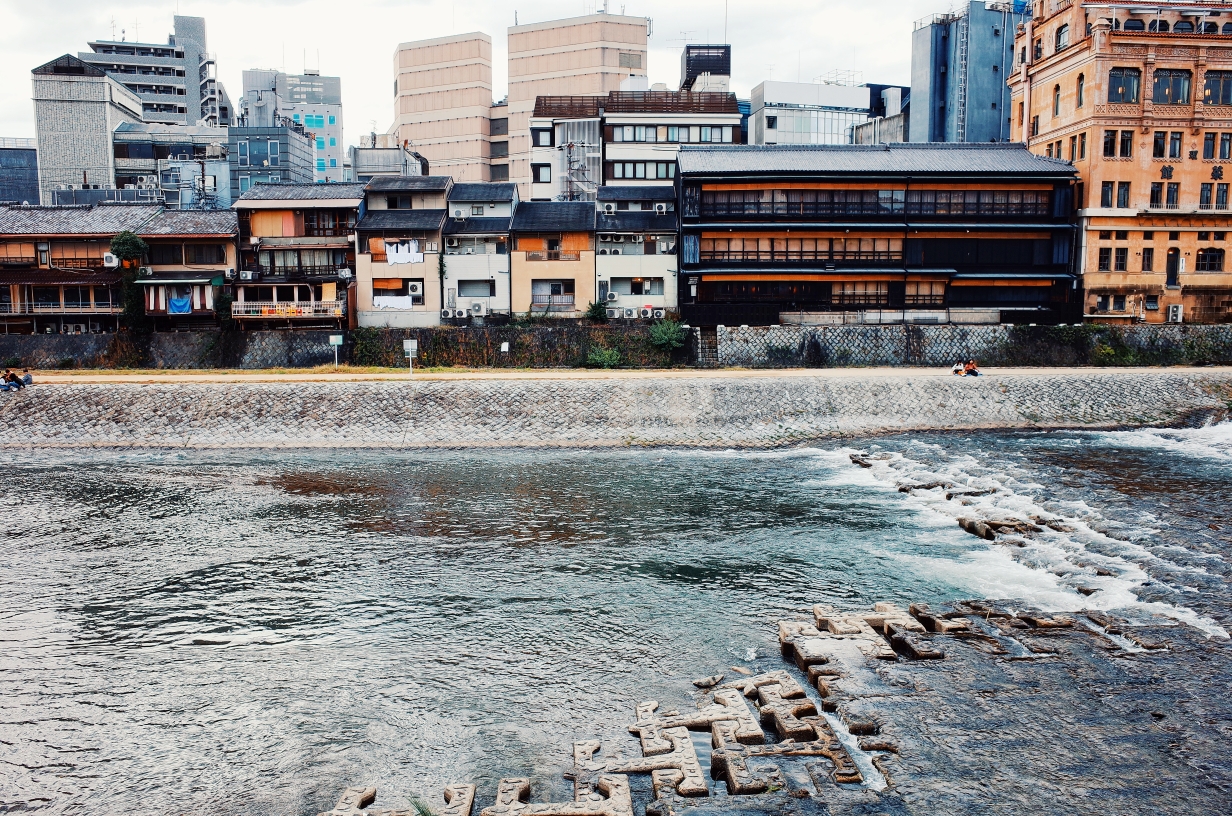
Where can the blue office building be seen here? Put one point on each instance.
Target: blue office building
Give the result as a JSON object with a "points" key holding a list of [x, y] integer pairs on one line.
{"points": [[959, 65], [19, 170]]}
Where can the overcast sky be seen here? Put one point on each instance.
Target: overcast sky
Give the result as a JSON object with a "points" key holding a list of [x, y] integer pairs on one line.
{"points": [[784, 39]]}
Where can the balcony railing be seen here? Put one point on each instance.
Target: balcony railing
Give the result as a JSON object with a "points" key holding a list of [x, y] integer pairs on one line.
{"points": [[799, 256], [289, 310], [304, 270], [18, 260], [561, 302], [56, 308], [553, 255], [340, 231], [77, 263]]}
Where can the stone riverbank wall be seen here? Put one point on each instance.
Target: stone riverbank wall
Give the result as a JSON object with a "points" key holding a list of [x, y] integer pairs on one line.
{"points": [[942, 346], [675, 409]]}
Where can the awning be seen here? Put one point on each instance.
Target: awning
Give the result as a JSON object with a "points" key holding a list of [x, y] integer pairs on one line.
{"points": [[388, 283], [999, 282], [173, 281]]}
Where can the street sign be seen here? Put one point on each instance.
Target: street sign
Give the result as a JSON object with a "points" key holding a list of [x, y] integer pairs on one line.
{"points": [[335, 339], [504, 348], [410, 348]]}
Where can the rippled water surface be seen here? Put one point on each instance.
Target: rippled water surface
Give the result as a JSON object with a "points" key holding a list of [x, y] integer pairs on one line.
{"points": [[250, 633]]}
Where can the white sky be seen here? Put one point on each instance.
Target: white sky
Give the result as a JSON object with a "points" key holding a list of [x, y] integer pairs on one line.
{"points": [[783, 39]]}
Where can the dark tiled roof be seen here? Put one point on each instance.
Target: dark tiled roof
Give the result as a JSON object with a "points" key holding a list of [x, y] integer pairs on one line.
{"points": [[554, 216], [303, 192], [409, 184], [192, 222], [476, 226], [100, 219], [418, 220], [58, 277], [644, 192], [498, 191], [921, 159], [644, 221]]}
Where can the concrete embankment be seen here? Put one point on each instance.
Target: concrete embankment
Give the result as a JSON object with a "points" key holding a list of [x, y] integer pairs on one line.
{"points": [[695, 410]]}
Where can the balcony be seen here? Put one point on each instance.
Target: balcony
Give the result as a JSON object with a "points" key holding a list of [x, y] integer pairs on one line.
{"points": [[553, 255], [801, 256], [58, 309], [553, 303], [289, 310], [306, 271], [77, 263]]}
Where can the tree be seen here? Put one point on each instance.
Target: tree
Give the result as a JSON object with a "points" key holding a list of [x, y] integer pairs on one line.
{"points": [[128, 246], [597, 313], [131, 250]]}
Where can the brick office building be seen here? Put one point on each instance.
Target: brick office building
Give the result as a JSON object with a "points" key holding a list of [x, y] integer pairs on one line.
{"points": [[1138, 96]]}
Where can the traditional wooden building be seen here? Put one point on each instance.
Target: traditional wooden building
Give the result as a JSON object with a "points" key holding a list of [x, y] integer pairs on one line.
{"points": [[192, 256], [552, 269], [297, 255], [924, 233], [1138, 96]]}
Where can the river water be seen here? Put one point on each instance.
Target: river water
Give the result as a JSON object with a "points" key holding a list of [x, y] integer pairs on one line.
{"points": [[253, 632]]}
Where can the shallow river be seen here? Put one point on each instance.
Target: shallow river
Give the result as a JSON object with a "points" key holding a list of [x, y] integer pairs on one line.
{"points": [[250, 633]]}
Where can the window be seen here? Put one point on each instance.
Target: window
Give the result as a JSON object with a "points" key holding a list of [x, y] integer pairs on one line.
{"points": [[1148, 236], [1135, 25], [1174, 236], [1221, 198], [1183, 27], [1148, 259], [1062, 38], [1171, 87], [1073, 148], [1127, 144], [1121, 235], [1225, 146], [1049, 149], [541, 173], [542, 137], [772, 122], [273, 153], [1118, 303], [320, 164], [320, 143], [1110, 144], [1161, 145], [1227, 28], [499, 172], [1082, 87], [1082, 145], [1105, 235], [1034, 125], [1121, 262], [1206, 199], [1105, 259], [1210, 260], [1056, 101], [333, 120], [333, 142], [1105, 199], [204, 254], [1208, 146], [1038, 50], [1159, 25], [1157, 195], [1219, 236], [333, 162], [1204, 236], [628, 60], [1174, 196], [1123, 84], [477, 288], [166, 254], [242, 152], [1152, 303], [245, 183], [1122, 197], [1174, 145], [295, 116], [1218, 88]]}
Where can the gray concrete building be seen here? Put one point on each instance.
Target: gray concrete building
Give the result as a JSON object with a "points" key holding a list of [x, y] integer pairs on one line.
{"points": [[177, 81], [77, 107], [309, 99], [959, 63], [269, 155], [19, 171]]}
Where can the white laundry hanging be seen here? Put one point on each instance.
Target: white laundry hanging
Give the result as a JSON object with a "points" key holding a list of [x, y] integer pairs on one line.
{"points": [[403, 252]]}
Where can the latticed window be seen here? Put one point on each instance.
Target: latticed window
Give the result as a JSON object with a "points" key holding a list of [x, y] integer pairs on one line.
{"points": [[1123, 85], [1210, 260]]}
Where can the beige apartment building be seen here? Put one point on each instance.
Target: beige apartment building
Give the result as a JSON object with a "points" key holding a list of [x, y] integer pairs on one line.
{"points": [[443, 99], [579, 56], [1138, 97]]}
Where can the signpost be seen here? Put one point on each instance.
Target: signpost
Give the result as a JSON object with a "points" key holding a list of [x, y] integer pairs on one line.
{"points": [[411, 349], [335, 340]]}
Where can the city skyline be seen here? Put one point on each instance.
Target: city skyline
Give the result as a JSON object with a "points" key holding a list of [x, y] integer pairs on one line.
{"points": [[841, 37]]}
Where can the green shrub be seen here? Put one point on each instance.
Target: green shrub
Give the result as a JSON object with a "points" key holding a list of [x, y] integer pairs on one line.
{"points": [[667, 335], [12, 362], [596, 313], [603, 358], [368, 348], [67, 362]]}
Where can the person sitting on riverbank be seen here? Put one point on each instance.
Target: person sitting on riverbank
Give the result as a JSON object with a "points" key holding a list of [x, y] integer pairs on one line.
{"points": [[958, 370], [971, 369], [26, 377], [11, 381]]}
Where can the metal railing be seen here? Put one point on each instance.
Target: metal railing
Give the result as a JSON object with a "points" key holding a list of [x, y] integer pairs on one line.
{"points": [[278, 309], [77, 263], [56, 308], [305, 270], [554, 255], [799, 256], [552, 301], [15, 260]]}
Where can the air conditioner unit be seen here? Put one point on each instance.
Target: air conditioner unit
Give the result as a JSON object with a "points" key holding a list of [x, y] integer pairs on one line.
{"points": [[110, 261], [612, 297], [459, 214], [614, 314], [615, 251], [646, 312], [229, 274], [1176, 313], [344, 274], [603, 252], [182, 157], [479, 308], [447, 314], [605, 239], [470, 250], [630, 314], [460, 314], [660, 209], [660, 314], [609, 208], [145, 272], [638, 239], [249, 275], [254, 240], [414, 288], [451, 242], [618, 239], [75, 328]]}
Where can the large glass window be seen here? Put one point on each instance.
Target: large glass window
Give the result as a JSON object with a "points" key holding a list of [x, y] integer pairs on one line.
{"points": [[1218, 90], [1171, 87], [204, 254], [1062, 38], [1210, 260], [166, 254], [1123, 85]]}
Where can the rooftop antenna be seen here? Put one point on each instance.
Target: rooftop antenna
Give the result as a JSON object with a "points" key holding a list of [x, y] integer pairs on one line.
{"points": [[123, 35], [725, 40], [113, 29]]}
